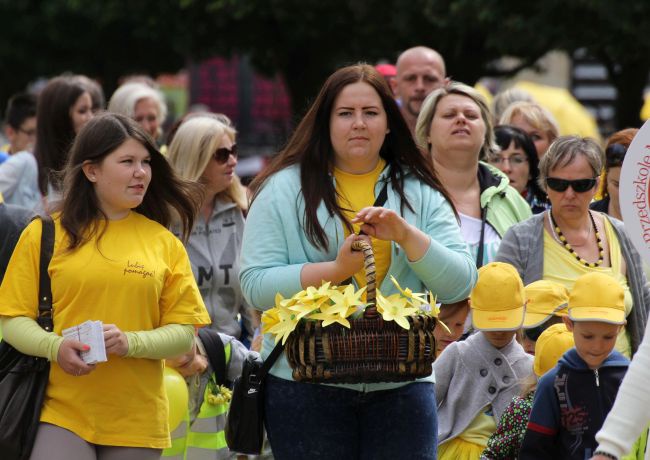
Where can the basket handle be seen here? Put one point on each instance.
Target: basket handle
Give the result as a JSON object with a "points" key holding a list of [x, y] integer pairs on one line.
{"points": [[371, 276]]}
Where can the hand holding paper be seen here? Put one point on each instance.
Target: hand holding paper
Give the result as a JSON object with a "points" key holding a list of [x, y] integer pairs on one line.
{"points": [[89, 333]]}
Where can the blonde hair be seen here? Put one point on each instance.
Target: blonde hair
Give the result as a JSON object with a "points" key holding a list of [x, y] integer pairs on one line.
{"points": [[535, 115], [506, 98], [428, 110], [127, 96], [193, 147]]}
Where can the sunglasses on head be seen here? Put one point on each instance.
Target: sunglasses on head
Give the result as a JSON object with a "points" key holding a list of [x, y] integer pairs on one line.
{"points": [[578, 185], [222, 154], [615, 154]]}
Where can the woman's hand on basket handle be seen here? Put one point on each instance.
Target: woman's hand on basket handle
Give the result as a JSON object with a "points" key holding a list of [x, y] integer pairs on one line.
{"points": [[347, 263], [69, 358], [386, 224]]}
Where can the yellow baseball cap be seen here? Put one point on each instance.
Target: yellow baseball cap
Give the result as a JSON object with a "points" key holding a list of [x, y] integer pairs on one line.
{"points": [[550, 347], [597, 297], [544, 299], [497, 300]]}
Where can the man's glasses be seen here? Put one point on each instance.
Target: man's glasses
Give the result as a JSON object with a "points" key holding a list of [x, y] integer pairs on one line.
{"points": [[578, 185], [222, 154], [515, 160]]}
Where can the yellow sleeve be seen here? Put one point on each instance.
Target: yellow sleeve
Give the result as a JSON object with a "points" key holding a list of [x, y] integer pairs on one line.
{"points": [[181, 301], [160, 343], [19, 290], [26, 336]]}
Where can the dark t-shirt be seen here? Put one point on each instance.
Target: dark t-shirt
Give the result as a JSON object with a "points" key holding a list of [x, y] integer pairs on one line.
{"points": [[13, 220]]}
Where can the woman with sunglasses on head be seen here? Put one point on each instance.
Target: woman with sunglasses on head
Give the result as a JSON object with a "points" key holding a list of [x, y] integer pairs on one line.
{"points": [[617, 146], [570, 240], [203, 149]]}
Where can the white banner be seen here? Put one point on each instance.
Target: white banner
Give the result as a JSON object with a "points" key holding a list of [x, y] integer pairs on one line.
{"points": [[634, 191]]}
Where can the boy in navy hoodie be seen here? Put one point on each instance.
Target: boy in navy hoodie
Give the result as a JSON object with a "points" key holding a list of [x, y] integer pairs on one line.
{"points": [[573, 398]]}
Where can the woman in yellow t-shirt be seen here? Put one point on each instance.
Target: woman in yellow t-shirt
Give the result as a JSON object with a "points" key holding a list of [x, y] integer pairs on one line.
{"points": [[113, 261]]}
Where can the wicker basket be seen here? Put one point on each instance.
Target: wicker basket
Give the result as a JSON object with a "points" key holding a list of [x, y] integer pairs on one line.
{"points": [[372, 350]]}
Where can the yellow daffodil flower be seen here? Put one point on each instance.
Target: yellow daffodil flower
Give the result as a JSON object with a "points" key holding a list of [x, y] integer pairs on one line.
{"points": [[394, 308], [414, 299], [330, 318], [270, 318], [286, 325], [303, 309]]}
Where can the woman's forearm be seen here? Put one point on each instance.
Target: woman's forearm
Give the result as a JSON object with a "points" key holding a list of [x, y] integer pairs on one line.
{"points": [[315, 273], [415, 243], [160, 343], [26, 336]]}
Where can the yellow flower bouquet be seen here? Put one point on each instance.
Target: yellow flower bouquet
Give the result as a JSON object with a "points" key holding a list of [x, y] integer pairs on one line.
{"points": [[335, 304], [332, 335]]}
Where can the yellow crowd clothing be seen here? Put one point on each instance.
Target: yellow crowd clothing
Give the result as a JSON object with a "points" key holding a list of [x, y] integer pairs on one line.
{"points": [[470, 444], [562, 267], [138, 277], [355, 192]]}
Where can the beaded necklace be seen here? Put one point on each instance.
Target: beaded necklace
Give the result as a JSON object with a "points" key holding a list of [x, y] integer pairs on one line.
{"points": [[565, 243]]}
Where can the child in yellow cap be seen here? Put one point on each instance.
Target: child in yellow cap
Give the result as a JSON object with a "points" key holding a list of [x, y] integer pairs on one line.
{"points": [[477, 378], [546, 304], [573, 399], [504, 444]]}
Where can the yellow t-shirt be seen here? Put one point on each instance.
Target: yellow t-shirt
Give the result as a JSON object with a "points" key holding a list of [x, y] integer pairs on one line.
{"points": [[357, 191], [139, 278], [562, 267]]}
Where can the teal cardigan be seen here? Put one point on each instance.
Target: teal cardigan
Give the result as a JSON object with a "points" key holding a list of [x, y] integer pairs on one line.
{"points": [[275, 248]]}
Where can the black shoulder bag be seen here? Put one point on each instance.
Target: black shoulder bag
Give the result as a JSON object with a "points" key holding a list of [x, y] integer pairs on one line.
{"points": [[23, 378], [245, 420]]}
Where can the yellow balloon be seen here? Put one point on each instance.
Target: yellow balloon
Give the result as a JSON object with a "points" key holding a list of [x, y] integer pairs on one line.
{"points": [[177, 395]]}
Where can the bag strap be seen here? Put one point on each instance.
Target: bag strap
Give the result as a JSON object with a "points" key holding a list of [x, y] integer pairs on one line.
{"points": [[44, 282], [270, 361], [216, 353], [479, 254]]}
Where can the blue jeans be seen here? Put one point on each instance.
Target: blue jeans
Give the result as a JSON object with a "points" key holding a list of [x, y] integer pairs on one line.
{"points": [[324, 422]]}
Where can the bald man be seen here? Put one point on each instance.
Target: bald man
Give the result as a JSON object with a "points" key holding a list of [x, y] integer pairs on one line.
{"points": [[420, 70]]}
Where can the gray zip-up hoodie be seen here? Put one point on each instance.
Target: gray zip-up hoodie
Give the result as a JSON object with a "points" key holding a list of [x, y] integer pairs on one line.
{"points": [[213, 249]]}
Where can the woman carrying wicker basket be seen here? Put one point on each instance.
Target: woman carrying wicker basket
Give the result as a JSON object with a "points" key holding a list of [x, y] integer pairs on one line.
{"points": [[307, 207]]}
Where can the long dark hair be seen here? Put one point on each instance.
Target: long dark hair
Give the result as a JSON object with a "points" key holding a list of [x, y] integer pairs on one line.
{"points": [[167, 193], [507, 134], [54, 127], [310, 147]]}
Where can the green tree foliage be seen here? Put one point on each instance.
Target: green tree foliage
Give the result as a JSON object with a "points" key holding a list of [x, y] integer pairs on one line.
{"points": [[305, 40], [103, 39]]}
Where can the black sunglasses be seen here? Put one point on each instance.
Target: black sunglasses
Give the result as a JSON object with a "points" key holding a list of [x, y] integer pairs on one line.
{"points": [[222, 154], [578, 185]]}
